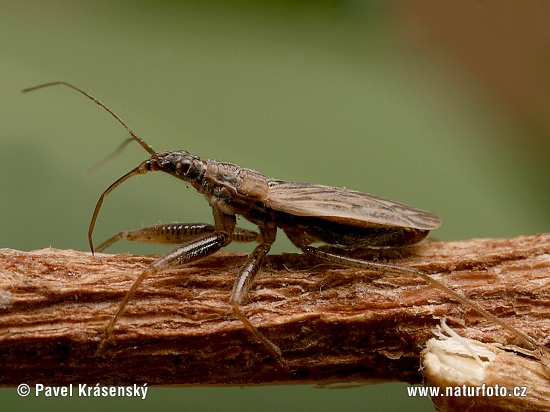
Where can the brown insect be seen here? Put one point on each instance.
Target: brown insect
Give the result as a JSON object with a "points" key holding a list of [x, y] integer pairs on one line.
{"points": [[307, 213]]}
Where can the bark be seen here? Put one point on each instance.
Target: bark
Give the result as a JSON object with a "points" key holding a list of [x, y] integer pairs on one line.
{"points": [[333, 324], [496, 381]]}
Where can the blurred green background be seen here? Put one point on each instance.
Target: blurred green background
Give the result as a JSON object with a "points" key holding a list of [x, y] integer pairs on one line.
{"points": [[441, 106]]}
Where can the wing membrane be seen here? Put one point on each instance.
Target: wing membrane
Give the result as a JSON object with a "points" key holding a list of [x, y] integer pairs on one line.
{"points": [[346, 206]]}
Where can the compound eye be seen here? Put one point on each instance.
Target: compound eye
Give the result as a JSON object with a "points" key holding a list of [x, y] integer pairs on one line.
{"points": [[184, 166]]}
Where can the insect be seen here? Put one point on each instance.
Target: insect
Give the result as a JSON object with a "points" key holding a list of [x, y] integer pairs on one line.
{"points": [[306, 213]]}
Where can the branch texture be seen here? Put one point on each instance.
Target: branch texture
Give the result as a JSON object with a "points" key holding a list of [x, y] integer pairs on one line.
{"points": [[332, 324]]}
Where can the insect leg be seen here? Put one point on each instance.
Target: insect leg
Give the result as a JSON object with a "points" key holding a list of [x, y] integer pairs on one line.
{"points": [[188, 252], [396, 269], [242, 285], [175, 233]]}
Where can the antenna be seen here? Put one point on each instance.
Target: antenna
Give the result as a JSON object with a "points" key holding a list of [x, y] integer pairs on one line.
{"points": [[142, 142]]}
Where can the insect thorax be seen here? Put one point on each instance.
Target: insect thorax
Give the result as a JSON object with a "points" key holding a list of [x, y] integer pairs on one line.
{"points": [[232, 184]]}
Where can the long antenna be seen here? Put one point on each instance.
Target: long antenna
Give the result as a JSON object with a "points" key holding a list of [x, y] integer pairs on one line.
{"points": [[142, 142], [109, 157], [141, 169]]}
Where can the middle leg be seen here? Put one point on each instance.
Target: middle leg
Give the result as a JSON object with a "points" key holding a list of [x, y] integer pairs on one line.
{"points": [[188, 252], [242, 285]]}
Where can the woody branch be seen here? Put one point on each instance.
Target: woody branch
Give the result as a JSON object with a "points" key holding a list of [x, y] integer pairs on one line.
{"points": [[333, 324]]}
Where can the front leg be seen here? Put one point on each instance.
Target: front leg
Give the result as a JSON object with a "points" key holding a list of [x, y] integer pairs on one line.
{"points": [[188, 252], [175, 233]]}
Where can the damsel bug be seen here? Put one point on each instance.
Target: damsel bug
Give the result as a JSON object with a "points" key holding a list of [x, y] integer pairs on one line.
{"points": [[307, 213]]}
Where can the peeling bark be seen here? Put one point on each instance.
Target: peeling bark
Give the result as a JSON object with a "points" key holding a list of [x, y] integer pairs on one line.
{"points": [[332, 324]]}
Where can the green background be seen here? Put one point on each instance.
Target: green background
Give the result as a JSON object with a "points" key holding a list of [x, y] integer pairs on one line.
{"points": [[321, 92]]}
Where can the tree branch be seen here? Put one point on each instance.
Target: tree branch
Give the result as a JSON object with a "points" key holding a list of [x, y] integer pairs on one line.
{"points": [[495, 381], [332, 324]]}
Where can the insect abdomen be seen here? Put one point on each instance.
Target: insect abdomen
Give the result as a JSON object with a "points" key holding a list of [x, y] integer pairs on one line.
{"points": [[338, 234]]}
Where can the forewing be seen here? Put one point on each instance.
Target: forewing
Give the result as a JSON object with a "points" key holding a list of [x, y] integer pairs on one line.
{"points": [[346, 206]]}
